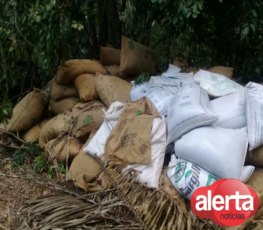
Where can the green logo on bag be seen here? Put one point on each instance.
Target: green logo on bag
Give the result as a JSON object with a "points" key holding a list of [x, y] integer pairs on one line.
{"points": [[211, 179], [179, 170]]}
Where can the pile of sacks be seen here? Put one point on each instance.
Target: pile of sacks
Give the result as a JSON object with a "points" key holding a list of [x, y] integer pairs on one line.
{"points": [[210, 125], [72, 107], [214, 127]]}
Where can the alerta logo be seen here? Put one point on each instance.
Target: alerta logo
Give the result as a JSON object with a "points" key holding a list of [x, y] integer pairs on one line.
{"points": [[227, 202]]}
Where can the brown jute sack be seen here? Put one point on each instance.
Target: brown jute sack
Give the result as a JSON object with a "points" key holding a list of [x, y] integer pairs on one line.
{"points": [[62, 105], [54, 127], [63, 149], [110, 56], [223, 70], [62, 91], [256, 156], [86, 118], [72, 68], [32, 135], [114, 70], [83, 170], [27, 112], [111, 88], [85, 84], [136, 58], [130, 139]]}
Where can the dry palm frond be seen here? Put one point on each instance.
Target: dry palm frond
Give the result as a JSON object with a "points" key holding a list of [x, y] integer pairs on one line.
{"points": [[130, 205], [155, 208], [99, 210]]}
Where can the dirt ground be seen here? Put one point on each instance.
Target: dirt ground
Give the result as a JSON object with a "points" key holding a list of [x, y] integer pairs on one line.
{"points": [[17, 186]]}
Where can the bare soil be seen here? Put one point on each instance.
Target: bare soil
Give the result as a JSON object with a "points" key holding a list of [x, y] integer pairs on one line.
{"points": [[17, 186]]}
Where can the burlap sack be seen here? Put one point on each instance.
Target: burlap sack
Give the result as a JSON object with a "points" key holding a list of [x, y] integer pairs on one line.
{"points": [[226, 71], [62, 105], [114, 70], [27, 112], [111, 88], [32, 135], [130, 139], [136, 58], [62, 150], [110, 56], [58, 91], [256, 156], [54, 127], [85, 84], [72, 68], [83, 170], [86, 118]]}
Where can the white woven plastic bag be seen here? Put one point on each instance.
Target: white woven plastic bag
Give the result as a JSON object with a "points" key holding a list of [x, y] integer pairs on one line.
{"points": [[147, 174], [96, 145], [186, 177], [254, 110], [218, 150], [230, 110], [215, 84], [190, 108]]}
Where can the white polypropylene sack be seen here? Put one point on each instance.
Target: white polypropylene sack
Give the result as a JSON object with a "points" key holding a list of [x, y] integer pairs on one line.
{"points": [[218, 150], [96, 145], [186, 177], [189, 109], [230, 110], [246, 173], [160, 97], [254, 110], [215, 84], [171, 71], [150, 174], [139, 91], [161, 89]]}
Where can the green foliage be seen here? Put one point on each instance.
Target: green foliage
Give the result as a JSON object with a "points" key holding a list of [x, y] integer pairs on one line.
{"points": [[39, 164], [25, 152], [30, 155], [5, 110], [36, 36], [19, 157], [52, 170], [143, 77], [206, 33]]}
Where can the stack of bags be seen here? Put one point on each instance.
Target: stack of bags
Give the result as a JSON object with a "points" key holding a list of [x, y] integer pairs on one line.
{"points": [[66, 114], [213, 123]]}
